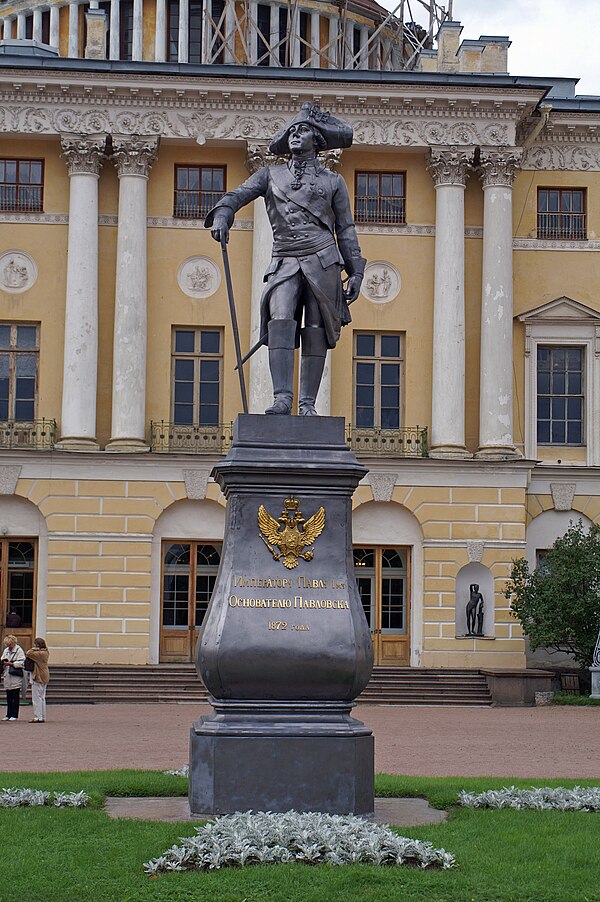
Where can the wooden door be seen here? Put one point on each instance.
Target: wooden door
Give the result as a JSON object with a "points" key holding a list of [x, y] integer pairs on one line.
{"points": [[383, 579], [18, 589], [189, 571]]}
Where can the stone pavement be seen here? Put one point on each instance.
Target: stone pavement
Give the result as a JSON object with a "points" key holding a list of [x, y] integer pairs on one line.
{"points": [[422, 741]]}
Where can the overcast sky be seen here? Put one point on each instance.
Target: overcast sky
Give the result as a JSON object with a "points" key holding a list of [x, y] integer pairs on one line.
{"points": [[549, 37]]}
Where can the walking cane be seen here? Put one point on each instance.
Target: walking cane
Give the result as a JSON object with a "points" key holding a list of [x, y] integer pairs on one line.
{"points": [[234, 325]]}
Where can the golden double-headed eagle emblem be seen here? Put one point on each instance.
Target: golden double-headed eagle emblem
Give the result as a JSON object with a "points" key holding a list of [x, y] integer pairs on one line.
{"points": [[289, 539]]}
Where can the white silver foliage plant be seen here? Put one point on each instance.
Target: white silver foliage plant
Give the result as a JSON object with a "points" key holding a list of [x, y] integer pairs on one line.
{"points": [[312, 838], [183, 771], [12, 797], [579, 798]]}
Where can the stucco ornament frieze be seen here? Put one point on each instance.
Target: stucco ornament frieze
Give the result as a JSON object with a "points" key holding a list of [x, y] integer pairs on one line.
{"points": [[199, 277], [499, 168], [381, 283], [9, 476], [134, 154], [578, 157], [18, 271], [450, 166], [475, 549], [83, 154]]}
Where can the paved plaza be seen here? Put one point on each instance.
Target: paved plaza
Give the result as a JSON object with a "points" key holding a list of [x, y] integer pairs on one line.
{"points": [[422, 741]]}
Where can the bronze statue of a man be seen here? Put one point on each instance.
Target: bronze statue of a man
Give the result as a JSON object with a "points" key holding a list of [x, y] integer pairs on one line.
{"points": [[308, 206]]}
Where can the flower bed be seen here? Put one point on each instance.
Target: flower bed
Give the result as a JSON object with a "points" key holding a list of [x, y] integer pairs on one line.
{"points": [[11, 797], [580, 798], [266, 838]]}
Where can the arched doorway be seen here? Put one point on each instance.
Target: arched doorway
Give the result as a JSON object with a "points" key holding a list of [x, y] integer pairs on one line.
{"points": [[186, 552], [387, 549], [23, 570]]}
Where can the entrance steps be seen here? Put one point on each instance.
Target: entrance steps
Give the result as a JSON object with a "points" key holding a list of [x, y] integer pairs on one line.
{"points": [[179, 683]]}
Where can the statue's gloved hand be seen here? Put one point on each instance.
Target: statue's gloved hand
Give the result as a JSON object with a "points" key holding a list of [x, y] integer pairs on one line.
{"points": [[352, 289], [220, 229]]}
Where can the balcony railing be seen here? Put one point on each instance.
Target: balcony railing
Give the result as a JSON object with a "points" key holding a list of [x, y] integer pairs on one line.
{"points": [[165, 437], [409, 441], [562, 226], [194, 204], [37, 435]]}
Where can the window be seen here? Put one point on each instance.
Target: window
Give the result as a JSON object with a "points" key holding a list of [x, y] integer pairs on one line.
{"points": [[380, 197], [377, 380], [126, 27], [263, 34], [22, 185], [17, 580], [304, 29], [218, 31], [189, 575], [197, 190], [560, 396], [19, 350], [283, 37], [196, 377], [561, 213]]}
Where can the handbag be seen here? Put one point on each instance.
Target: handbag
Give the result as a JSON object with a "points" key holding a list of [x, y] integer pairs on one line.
{"points": [[15, 671], [29, 665]]}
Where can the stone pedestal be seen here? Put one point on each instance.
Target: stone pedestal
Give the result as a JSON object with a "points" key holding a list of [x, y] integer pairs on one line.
{"points": [[285, 646], [595, 674]]}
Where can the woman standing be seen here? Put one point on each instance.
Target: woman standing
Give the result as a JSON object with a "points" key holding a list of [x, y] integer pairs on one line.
{"points": [[39, 654], [13, 658]]}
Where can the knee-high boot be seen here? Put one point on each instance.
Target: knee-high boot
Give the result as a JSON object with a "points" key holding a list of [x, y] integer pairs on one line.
{"points": [[282, 342], [314, 350]]}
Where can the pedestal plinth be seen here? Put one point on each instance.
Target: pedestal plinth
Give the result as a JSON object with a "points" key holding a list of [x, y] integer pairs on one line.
{"points": [[285, 646]]}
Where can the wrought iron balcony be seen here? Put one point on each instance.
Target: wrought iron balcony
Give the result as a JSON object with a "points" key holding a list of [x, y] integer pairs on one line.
{"points": [[408, 441], [165, 437], [36, 435]]}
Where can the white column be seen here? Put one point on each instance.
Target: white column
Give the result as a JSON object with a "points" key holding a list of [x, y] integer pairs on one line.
{"points": [[54, 26], [230, 19], [160, 41], [115, 30], [334, 25], [21, 26], [37, 25], [363, 60], [84, 156], [260, 389], [274, 59], [136, 44], [133, 157], [315, 40], [254, 50], [449, 170], [184, 27], [7, 29], [294, 34], [497, 171], [73, 47]]}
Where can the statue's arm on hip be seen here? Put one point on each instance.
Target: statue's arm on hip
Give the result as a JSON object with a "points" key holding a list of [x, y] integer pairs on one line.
{"points": [[220, 219]]}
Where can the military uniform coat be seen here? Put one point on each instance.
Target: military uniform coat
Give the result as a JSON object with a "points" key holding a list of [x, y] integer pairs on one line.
{"points": [[306, 223]]}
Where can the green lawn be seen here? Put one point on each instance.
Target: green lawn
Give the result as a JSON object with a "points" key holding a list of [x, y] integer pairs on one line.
{"points": [[52, 855]]}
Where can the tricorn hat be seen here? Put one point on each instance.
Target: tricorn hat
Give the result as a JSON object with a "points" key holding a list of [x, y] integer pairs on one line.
{"points": [[335, 133]]}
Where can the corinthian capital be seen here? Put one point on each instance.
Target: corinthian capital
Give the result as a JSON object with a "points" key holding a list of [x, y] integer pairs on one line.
{"points": [[134, 154], [83, 154], [258, 155], [450, 165], [497, 168]]}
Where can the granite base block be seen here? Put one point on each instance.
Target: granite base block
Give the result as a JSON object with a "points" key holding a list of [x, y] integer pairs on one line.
{"points": [[330, 774]]}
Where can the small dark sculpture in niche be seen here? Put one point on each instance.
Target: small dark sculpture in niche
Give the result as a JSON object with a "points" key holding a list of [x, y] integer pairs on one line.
{"points": [[475, 611]]}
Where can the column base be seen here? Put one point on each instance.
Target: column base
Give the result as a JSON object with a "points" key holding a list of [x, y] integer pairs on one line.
{"points": [[498, 452], [127, 445], [75, 443], [457, 452]]}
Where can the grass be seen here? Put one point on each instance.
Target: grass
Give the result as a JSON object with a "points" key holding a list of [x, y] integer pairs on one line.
{"points": [[52, 855], [566, 698]]}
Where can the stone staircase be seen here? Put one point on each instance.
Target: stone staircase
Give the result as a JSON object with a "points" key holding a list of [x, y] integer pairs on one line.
{"points": [[179, 683]]}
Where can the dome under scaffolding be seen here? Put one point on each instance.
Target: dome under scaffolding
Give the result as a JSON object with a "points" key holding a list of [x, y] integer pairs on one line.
{"points": [[326, 34]]}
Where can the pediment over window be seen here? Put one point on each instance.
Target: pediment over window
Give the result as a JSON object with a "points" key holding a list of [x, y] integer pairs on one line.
{"points": [[562, 310]]}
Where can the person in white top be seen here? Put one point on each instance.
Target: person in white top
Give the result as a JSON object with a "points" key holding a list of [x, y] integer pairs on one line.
{"points": [[13, 658]]}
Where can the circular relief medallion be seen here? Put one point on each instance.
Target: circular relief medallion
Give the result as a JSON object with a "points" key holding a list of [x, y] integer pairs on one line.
{"points": [[18, 272], [381, 283], [199, 277]]}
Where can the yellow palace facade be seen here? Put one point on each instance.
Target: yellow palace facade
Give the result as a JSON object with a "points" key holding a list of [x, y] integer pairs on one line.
{"points": [[469, 377]]}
